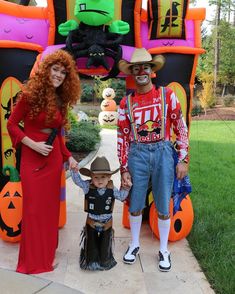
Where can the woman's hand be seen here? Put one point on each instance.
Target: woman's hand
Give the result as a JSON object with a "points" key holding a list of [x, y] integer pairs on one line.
{"points": [[73, 164], [39, 147]]}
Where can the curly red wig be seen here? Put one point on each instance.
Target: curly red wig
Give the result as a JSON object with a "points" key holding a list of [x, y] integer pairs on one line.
{"points": [[40, 92]]}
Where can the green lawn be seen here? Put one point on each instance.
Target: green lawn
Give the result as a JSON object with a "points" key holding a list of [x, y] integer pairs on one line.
{"points": [[212, 174]]}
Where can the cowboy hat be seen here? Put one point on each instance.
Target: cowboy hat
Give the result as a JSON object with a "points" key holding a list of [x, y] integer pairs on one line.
{"points": [[99, 166], [140, 56]]}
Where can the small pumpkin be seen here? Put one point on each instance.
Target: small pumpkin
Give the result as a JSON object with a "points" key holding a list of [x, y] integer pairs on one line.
{"points": [[11, 206], [181, 222], [108, 104], [108, 93], [108, 118]]}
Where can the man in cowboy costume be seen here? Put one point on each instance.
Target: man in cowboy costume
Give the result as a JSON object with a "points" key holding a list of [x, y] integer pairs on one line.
{"points": [[145, 123]]}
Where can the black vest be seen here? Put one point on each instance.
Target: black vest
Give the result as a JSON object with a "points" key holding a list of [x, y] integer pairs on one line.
{"points": [[99, 204]]}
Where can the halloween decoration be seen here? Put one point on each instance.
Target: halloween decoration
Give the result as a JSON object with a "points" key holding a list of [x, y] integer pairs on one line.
{"points": [[11, 207], [108, 104], [92, 37], [166, 19], [108, 118], [181, 222], [109, 115], [179, 40], [125, 216]]}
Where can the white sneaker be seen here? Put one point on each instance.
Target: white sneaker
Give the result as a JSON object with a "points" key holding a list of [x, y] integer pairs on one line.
{"points": [[130, 255], [164, 261]]}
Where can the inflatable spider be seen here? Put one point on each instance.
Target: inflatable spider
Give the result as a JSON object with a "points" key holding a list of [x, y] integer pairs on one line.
{"points": [[92, 37]]}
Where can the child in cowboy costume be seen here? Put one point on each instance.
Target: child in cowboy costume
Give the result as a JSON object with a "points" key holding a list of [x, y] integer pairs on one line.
{"points": [[146, 120], [100, 194]]}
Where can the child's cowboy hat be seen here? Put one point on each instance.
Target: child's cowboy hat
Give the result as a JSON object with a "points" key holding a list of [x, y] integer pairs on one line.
{"points": [[99, 166], [140, 56]]}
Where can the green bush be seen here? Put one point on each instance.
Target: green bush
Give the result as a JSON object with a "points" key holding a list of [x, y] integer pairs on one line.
{"points": [[83, 137], [87, 93], [196, 110], [119, 86], [73, 122], [228, 100]]}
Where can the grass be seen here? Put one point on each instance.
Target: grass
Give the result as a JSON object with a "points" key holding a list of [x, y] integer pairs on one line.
{"points": [[212, 174]]}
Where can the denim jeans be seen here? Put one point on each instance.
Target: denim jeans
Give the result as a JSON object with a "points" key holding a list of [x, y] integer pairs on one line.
{"points": [[151, 161]]}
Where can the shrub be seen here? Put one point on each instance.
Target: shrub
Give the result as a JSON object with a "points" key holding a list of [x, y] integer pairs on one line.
{"points": [[196, 110], [228, 100], [83, 137], [73, 122], [119, 86], [87, 93], [206, 97]]}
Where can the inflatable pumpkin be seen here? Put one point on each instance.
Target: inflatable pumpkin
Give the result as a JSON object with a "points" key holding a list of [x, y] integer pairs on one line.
{"points": [[125, 216], [181, 222], [11, 206]]}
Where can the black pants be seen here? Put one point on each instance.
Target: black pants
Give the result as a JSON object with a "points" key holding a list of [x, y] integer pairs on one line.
{"points": [[96, 252]]}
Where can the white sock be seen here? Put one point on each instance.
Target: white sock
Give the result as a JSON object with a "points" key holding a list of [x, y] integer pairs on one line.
{"points": [[135, 225], [164, 229]]}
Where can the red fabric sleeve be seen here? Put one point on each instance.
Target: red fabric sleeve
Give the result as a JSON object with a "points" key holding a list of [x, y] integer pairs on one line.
{"points": [[64, 150], [18, 114], [123, 132], [179, 127]]}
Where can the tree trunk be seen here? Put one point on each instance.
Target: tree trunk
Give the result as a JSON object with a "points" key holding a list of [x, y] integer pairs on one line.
{"points": [[217, 44], [224, 90]]}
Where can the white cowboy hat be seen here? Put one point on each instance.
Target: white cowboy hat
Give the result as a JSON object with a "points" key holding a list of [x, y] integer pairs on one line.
{"points": [[99, 166], [140, 56]]}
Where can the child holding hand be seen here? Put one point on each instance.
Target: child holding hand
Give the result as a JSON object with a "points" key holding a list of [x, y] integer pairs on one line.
{"points": [[100, 194]]}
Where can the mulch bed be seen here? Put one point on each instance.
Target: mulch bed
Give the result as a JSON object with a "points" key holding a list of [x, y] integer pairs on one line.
{"points": [[217, 113]]}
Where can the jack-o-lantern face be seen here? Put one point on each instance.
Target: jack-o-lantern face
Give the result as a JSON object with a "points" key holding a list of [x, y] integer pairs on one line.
{"points": [[181, 222], [11, 211], [108, 118], [108, 93], [108, 105]]}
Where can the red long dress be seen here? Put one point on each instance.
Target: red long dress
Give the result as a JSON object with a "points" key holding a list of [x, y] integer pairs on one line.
{"points": [[40, 177]]}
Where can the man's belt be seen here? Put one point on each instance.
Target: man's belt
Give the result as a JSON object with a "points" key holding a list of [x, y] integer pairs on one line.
{"points": [[98, 225]]}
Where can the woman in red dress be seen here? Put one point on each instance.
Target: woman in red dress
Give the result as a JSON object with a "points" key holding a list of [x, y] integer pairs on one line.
{"points": [[43, 106]]}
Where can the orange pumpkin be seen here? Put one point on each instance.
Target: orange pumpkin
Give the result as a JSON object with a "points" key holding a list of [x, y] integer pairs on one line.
{"points": [[11, 206], [125, 216], [181, 222], [63, 214], [108, 105]]}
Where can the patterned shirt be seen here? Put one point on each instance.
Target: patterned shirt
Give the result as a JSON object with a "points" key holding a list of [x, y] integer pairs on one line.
{"points": [[147, 115], [85, 186]]}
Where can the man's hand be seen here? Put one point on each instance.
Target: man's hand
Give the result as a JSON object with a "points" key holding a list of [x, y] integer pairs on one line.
{"points": [[126, 182], [181, 170]]}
